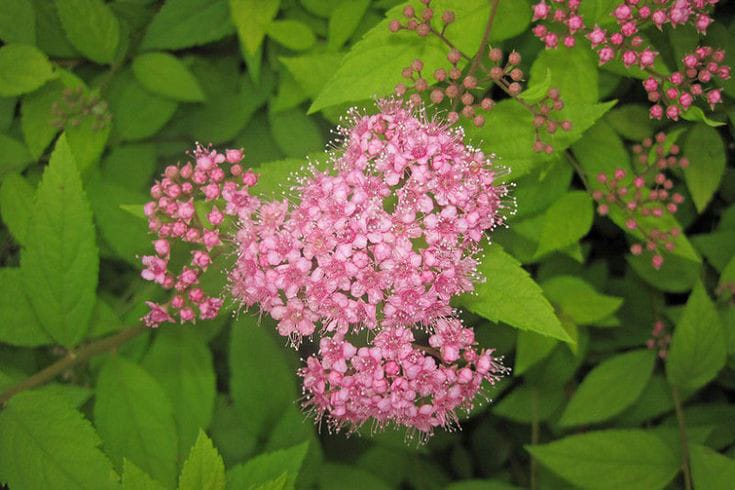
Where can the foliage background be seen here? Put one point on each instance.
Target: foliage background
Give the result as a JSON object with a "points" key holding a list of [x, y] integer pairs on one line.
{"points": [[96, 97]]}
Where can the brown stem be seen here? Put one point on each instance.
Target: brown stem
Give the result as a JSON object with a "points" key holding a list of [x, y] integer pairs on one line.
{"points": [[72, 358], [485, 38], [683, 438]]}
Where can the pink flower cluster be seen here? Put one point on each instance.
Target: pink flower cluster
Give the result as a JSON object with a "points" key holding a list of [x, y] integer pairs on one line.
{"points": [[393, 381], [648, 194], [382, 242], [671, 94], [173, 216]]}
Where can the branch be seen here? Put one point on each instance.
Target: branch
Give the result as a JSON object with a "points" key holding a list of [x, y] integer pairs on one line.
{"points": [[71, 359], [485, 38], [683, 438]]}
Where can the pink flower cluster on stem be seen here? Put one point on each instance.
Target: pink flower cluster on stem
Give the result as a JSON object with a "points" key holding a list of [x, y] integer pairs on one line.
{"points": [[670, 94], [174, 218], [382, 242]]}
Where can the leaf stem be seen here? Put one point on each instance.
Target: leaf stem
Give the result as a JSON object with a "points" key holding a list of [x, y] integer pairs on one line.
{"points": [[72, 358], [683, 438], [485, 38]]}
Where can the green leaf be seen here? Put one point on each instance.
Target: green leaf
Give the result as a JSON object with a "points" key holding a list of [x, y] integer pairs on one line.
{"points": [[91, 27], [710, 469], [164, 74], [695, 114], [373, 66], [14, 157], [267, 467], [598, 11], [296, 134], [508, 285], [566, 222], [203, 469], [698, 349], [610, 459], [18, 323], [134, 478], [252, 18], [36, 119], [630, 121], [60, 263], [312, 70], [182, 364], [186, 23], [611, 387], [343, 21], [136, 112], [291, 34], [481, 485], [579, 301], [16, 202], [135, 419], [257, 365], [17, 22], [531, 348], [529, 402], [705, 150], [717, 247], [87, 142], [471, 17], [333, 476], [47, 444], [229, 436], [23, 69], [573, 71], [132, 166], [537, 91]]}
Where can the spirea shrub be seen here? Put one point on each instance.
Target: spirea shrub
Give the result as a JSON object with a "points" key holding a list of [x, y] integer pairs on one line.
{"points": [[367, 244]]}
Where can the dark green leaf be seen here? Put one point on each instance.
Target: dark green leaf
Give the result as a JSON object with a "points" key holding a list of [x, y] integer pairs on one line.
{"points": [[706, 153], [566, 222], [134, 478], [18, 322], [268, 466], [710, 469], [17, 21], [16, 203], [186, 23]]}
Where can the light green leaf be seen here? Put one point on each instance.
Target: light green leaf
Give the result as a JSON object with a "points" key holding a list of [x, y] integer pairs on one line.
{"points": [[91, 27], [17, 21], [508, 285], [710, 469], [538, 90], [343, 21], [531, 348], [182, 364], [573, 71], [598, 11], [610, 459], [695, 114], [373, 66], [18, 322], [292, 34], [296, 134], [579, 301], [186, 23], [257, 364], [36, 119], [705, 150], [566, 222], [717, 247], [14, 156], [471, 17], [698, 350], [16, 203], [312, 70], [136, 112], [164, 74], [252, 18], [609, 388], [203, 469], [267, 467], [134, 478], [48, 444], [23, 69], [135, 419], [61, 261], [87, 142]]}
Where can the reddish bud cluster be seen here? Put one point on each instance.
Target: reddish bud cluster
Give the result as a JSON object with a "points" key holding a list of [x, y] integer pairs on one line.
{"points": [[76, 104], [660, 339], [647, 194], [420, 22]]}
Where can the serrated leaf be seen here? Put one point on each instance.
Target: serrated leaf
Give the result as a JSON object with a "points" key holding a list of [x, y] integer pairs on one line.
{"points": [[61, 261], [186, 23], [507, 286], [36, 119], [343, 21], [610, 459], [91, 27], [257, 364], [252, 18], [23, 69], [579, 301], [267, 467], [87, 142], [698, 350], [135, 419], [136, 112], [710, 469], [566, 222], [47, 444], [611, 387], [133, 478], [18, 322], [182, 364], [17, 22], [203, 469], [164, 74], [291, 34], [705, 150], [16, 202]]}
